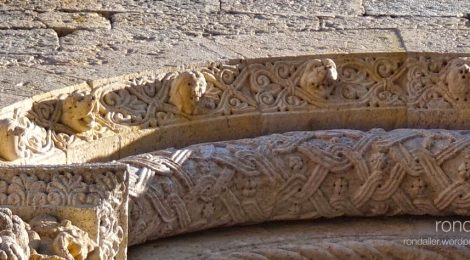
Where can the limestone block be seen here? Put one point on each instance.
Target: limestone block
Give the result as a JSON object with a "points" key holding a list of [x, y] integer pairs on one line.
{"points": [[299, 175], [166, 6], [19, 20], [217, 24], [304, 7], [417, 7], [30, 82], [292, 44], [37, 41], [74, 210], [69, 22], [431, 40], [38, 5], [386, 22]]}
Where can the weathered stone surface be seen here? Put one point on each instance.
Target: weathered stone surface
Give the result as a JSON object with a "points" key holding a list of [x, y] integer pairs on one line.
{"points": [[291, 44], [322, 239], [68, 22], [37, 41], [118, 52], [216, 24], [298, 175], [19, 20], [442, 41], [303, 7], [38, 5], [417, 7], [166, 6], [371, 22], [28, 82], [9, 99]]}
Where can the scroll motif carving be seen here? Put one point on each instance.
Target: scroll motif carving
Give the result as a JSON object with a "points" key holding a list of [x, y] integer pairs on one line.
{"points": [[438, 84], [299, 175], [22, 139], [264, 86]]}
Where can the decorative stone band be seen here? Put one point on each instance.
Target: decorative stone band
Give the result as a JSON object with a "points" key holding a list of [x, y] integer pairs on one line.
{"points": [[241, 99], [90, 198], [372, 248], [299, 175]]}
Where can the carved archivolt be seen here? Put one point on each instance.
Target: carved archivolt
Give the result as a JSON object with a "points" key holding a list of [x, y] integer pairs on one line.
{"points": [[299, 175], [279, 85]]}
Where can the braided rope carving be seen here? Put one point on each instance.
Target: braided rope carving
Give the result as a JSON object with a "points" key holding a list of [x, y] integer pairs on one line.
{"points": [[299, 175]]}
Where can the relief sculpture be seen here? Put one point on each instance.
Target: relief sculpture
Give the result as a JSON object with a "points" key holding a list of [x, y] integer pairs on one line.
{"points": [[44, 238], [299, 175]]}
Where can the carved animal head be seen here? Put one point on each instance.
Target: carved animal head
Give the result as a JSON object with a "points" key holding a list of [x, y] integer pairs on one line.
{"points": [[79, 111], [458, 78], [11, 133], [186, 90], [317, 73]]}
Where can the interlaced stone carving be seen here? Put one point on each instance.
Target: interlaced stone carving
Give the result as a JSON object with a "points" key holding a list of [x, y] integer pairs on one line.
{"points": [[299, 175]]}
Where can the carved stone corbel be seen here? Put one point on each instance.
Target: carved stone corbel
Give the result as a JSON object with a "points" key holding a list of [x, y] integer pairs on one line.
{"points": [[186, 90], [79, 112], [458, 78], [318, 75]]}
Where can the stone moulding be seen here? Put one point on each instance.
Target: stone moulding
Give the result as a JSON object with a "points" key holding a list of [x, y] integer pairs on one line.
{"points": [[299, 175], [93, 198], [243, 98]]}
